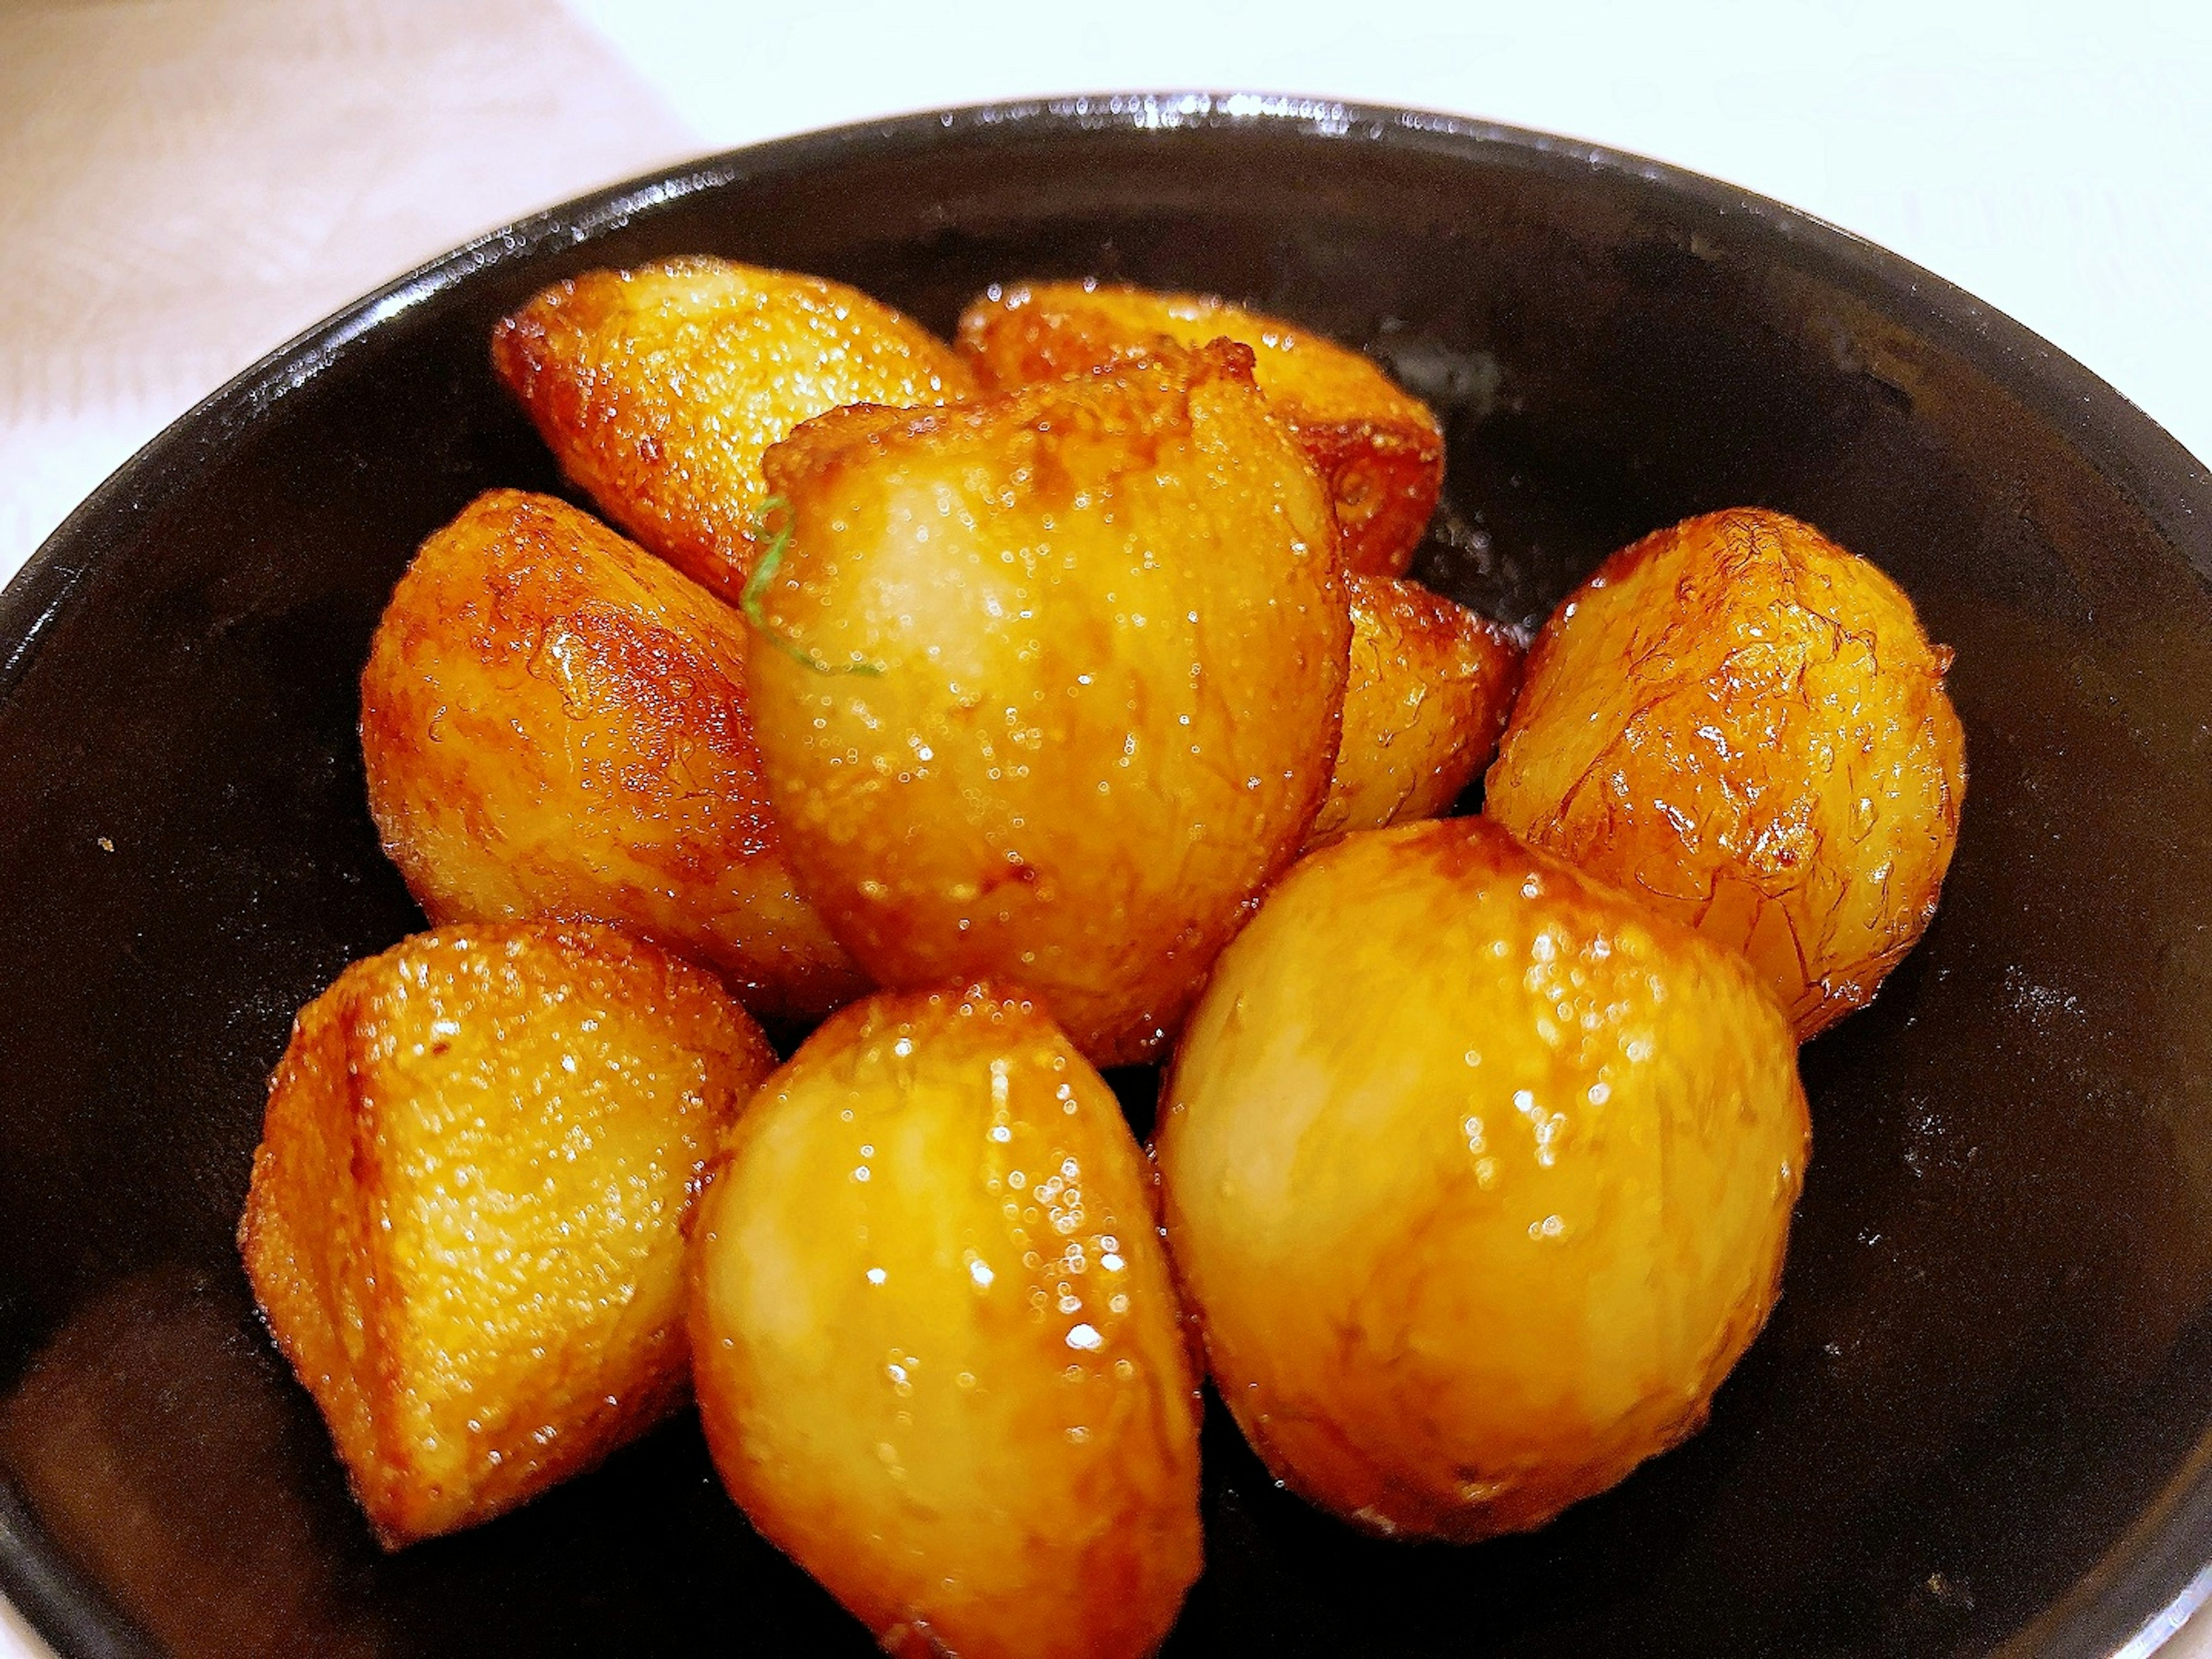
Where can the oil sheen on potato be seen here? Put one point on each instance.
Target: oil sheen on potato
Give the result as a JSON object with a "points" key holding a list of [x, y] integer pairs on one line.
{"points": [[1476, 1178], [1378, 448], [1743, 724], [467, 1217], [939, 1360], [1048, 685], [659, 389], [1431, 684], [553, 724]]}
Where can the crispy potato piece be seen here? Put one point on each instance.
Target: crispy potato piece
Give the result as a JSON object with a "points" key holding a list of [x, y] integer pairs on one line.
{"points": [[659, 388], [940, 1362], [1744, 725], [467, 1215], [554, 725], [1431, 684], [1476, 1178], [1104, 646], [1377, 446]]}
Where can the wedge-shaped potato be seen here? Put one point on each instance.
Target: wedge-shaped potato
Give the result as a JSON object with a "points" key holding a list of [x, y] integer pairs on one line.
{"points": [[939, 1359], [553, 724], [659, 388], [1377, 446], [1056, 683], [1743, 724], [466, 1225], [1476, 1178], [1431, 684]]}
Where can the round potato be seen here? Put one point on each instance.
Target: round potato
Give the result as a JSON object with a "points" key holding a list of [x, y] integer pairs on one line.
{"points": [[1431, 684], [1477, 1177], [554, 725], [1377, 447], [466, 1225], [658, 389], [1743, 724], [939, 1360], [1051, 684]]}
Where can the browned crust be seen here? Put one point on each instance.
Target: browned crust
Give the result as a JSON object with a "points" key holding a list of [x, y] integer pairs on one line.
{"points": [[1735, 559], [1379, 450], [658, 733], [1432, 683], [1065, 442], [667, 451], [317, 1242]]}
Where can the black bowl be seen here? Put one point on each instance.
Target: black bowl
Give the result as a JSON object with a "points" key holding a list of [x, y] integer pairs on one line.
{"points": [[1979, 1414]]}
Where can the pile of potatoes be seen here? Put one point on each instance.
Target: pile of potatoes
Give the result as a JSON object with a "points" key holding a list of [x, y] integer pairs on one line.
{"points": [[1053, 702]]}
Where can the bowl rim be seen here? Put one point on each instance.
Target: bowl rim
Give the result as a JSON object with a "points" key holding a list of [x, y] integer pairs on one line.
{"points": [[2150, 1582]]}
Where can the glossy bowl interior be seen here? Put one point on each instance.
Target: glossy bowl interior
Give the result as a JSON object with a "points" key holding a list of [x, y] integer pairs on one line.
{"points": [[1979, 1413]]}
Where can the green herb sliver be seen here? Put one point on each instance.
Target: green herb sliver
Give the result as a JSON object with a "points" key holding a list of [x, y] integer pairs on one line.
{"points": [[756, 585]]}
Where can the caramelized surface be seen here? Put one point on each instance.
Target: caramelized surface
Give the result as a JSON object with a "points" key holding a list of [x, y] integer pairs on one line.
{"points": [[1377, 447], [466, 1221], [1744, 725], [1431, 684], [659, 388], [1476, 1178], [554, 725], [1056, 686], [939, 1360]]}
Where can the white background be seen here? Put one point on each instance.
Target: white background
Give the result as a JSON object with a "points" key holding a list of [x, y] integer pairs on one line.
{"points": [[183, 183]]}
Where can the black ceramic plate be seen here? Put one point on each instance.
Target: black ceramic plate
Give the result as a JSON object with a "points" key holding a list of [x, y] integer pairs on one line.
{"points": [[1979, 1414]]}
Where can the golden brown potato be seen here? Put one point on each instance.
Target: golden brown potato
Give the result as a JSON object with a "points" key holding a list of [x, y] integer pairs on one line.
{"points": [[1431, 684], [554, 725], [659, 388], [1476, 1178], [940, 1358], [1056, 684], [1743, 724], [1377, 446], [467, 1217]]}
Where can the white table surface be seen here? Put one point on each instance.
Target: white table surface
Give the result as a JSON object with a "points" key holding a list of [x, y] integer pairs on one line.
{"points": [[185, 184]]}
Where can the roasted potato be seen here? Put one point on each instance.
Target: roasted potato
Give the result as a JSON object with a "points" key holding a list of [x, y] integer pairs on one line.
{"points": [[659, 388], [1476, 1178], [554, 725], [938, 1355], [1377, 446], [1743, 724], [467, 1215], [1430, 686], [1051, 682]]}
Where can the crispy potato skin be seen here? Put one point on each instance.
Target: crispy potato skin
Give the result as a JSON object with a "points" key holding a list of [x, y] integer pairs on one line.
{"points": [[466, 1221], [1743, 724], [554, 725], [940, 1362], [1431, 684], [1377, 446], [1476, 1178], [1106, 644], [659, 389]]}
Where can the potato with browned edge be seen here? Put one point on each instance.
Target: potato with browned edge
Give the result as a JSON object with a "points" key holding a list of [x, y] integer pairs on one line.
{"points": [[1431, 684], [1743, 724], [1050, 683], [939, 1354], [1476, 1178], [659, 388], [554, 725], [1377, 446], [466, 1224]]}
